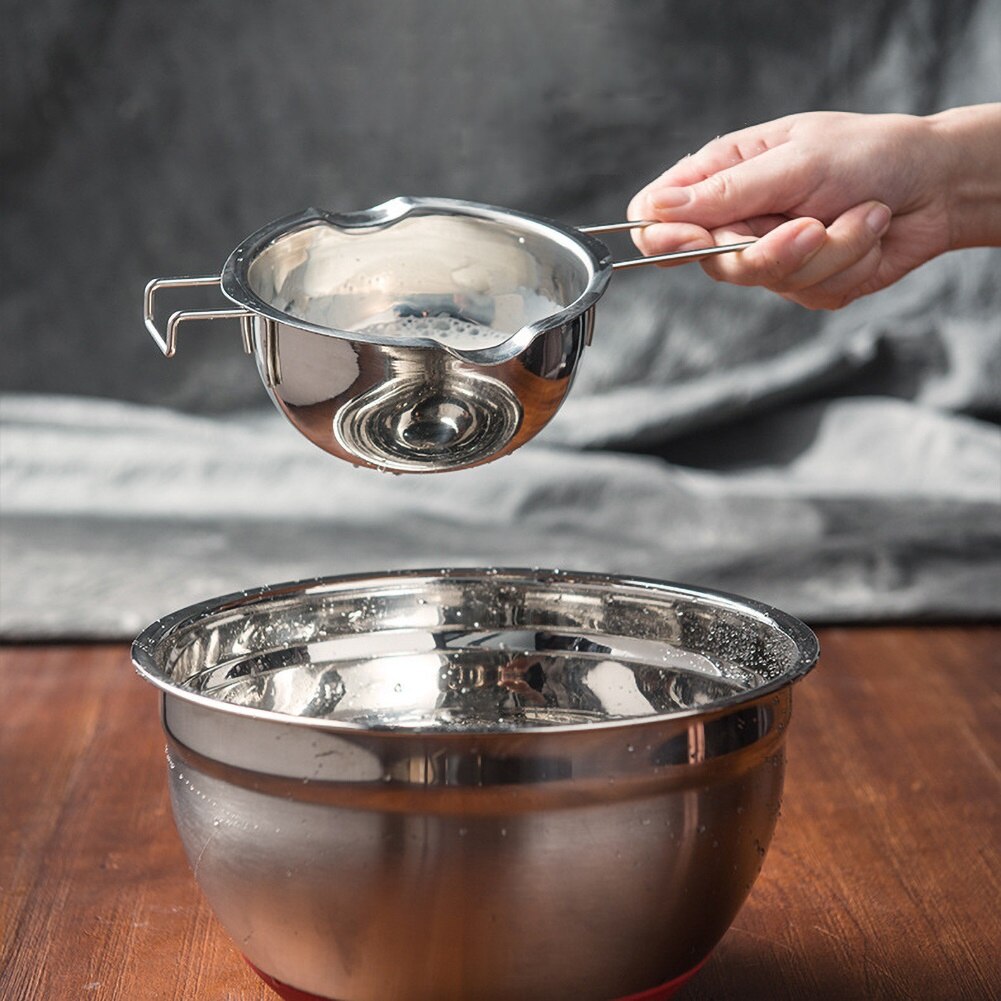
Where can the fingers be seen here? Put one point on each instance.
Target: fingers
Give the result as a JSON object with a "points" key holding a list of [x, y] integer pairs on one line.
{"points": [[843, 288], [774, 260], [777, 181], [666, 237], [800, 259], [724, 152]]}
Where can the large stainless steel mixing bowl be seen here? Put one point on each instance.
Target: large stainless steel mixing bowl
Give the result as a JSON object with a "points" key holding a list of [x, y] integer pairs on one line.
{"points": [[476, 784]]}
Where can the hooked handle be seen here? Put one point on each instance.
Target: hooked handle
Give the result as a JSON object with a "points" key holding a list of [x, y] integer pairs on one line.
{"points": [[676, 255], [168, 342]]}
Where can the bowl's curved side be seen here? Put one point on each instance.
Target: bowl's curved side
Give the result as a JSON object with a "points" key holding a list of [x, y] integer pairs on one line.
{"points": [[585, 864]]}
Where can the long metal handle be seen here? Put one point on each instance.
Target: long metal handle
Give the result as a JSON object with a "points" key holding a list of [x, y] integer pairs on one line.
{"points": [[677, 255], [168, 342]]}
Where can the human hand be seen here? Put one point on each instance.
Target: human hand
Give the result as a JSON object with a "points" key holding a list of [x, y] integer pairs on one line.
{"points": [[843, 204]]}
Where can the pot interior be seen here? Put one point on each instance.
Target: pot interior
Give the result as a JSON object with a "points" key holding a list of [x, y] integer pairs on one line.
{"points": [[461, 280]]}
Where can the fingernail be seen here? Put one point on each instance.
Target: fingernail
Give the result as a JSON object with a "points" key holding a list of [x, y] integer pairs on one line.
{"points": [[878, 219], [809, 239], [671, 198]]}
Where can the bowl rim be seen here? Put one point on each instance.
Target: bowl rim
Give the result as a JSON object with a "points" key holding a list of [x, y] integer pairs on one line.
{"points": [[146, 642]]}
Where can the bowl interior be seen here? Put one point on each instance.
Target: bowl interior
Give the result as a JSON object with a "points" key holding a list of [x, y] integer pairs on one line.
{"points": [[462, 280], [482, 651]]}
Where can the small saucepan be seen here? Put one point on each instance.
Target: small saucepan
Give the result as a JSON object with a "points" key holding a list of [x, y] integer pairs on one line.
{"points": [[421, 335]]}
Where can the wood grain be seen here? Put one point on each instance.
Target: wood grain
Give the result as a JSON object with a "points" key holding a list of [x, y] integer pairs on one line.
{"points": [[882, 881]]}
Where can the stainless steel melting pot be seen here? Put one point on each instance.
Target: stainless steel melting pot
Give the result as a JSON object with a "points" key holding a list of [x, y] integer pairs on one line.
{"points": [[421, 335]]}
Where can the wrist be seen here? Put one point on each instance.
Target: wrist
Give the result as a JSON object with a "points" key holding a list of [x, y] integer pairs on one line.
{"points": [[971, 142]]}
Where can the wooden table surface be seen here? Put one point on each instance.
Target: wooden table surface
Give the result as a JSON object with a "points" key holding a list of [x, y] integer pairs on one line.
{"points": [[883, 880]]}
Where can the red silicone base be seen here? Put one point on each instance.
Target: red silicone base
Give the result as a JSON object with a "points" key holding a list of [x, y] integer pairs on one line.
{"points": [[668, 990], [661, 993]]}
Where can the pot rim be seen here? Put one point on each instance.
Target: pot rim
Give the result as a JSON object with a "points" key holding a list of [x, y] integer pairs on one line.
{"points": [[590, 252], [144, 647]]}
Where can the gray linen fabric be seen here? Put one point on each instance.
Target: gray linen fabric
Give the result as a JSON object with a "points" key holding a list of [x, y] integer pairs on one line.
{"points": [[844, 466], [115, 513]]}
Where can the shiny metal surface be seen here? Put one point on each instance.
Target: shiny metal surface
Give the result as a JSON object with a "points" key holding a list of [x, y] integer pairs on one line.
{"points": [[421, 335], [167, 341], [677, 256], [476, 783]]}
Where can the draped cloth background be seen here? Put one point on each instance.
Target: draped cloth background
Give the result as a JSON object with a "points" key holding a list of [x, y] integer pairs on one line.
{"points": [[845, 466]]}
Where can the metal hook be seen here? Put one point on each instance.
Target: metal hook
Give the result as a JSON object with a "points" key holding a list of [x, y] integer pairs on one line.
{"points": [[168, 342]]}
